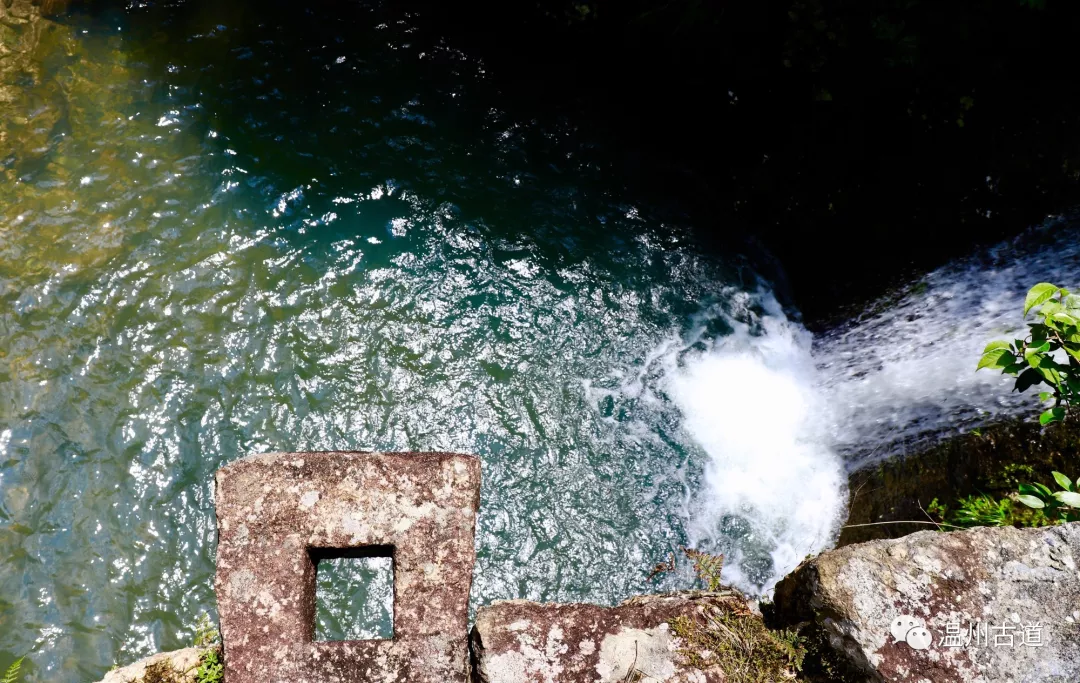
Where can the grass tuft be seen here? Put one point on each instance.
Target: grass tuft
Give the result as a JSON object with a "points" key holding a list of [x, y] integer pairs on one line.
{"points": [[733, 638], [740, 645]]}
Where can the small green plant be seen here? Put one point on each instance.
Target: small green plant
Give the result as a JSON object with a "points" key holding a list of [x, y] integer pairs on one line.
{"points": [[1063, 504], [981, 510], [206, 632], [740, 644], [12, 673], [708, 567], [1035, 359], [984, 510], [211, 669], [1010, 476]]}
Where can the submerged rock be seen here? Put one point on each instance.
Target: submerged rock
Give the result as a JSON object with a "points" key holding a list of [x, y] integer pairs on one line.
{"points": [[996, 605], [165, 667], [642, 639], [20, 31]]}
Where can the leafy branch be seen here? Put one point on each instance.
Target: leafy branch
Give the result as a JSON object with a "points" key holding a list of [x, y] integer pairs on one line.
{"points": [[1037, 358]]}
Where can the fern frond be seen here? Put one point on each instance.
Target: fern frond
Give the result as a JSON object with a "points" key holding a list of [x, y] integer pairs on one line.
{"points": [[708, 567], [12, 674]]}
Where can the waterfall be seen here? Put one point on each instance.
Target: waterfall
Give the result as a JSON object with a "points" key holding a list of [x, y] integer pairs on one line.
{"points": [[778, 418]]}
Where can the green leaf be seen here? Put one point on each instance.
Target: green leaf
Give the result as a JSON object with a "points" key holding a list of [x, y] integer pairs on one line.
{"points": [[1073, 352], [1071, 301], [996, 358], [1050, 416], [1049, 309], [1069, 498], [1064, 318], [1043, 490], [1063, 481], [1065, 324], [1038, 294], [1029, 489], [1045, 396], [1027, 379], [1014, 368], [1031, 501], [995, 345], [1049, 370]]}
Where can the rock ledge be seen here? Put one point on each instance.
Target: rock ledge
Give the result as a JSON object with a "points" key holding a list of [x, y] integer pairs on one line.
{"points": [[1001, 605], [180, 664], [518, 641]]}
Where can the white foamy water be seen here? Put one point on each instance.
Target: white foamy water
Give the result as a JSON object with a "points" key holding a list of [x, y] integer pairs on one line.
{"points": [[774, 483], [743, 389], [777, 419], [906, 374]]}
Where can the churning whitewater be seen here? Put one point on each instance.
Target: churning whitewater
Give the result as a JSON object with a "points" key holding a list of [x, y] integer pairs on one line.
{"points": [[781, 418], [747, 398]]}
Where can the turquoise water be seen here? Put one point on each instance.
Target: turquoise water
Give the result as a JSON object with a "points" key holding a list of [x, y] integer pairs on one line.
{"points": [[226, 231]]}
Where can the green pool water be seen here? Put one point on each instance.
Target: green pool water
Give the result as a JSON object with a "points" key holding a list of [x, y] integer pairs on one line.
{"points": [[229, 229]]}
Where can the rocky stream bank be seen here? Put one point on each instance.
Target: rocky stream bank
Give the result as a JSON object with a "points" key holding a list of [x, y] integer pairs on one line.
{"points": [[1000, 605], [983, 605]]}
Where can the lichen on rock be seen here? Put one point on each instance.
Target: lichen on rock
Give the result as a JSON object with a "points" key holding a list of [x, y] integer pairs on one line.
{"points": [[1001, 604], [666, 638]]}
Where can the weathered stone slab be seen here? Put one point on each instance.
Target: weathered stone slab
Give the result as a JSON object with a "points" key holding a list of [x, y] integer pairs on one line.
{"points": [[276, 511], [518, 641], [165, 667], [997, 581]]}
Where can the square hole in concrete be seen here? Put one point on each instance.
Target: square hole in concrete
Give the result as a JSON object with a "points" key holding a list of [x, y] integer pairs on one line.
{"points": [[354, 593]]}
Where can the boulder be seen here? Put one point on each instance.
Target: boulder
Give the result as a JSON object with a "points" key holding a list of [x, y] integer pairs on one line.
{"points": [[996, 605], [642, 639], [165, 667]]}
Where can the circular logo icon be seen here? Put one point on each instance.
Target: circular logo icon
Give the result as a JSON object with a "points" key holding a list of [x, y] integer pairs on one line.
{"points": [[902, 624], [919, 638]]}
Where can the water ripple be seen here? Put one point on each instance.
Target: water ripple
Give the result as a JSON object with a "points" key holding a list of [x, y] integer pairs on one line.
{"points": [[222, 236]]}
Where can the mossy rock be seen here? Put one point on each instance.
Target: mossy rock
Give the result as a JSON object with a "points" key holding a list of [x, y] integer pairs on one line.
{"points": [[991, 461]]}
